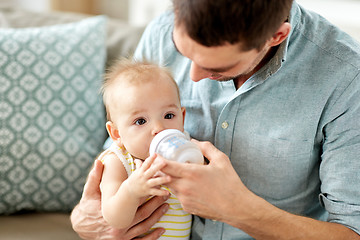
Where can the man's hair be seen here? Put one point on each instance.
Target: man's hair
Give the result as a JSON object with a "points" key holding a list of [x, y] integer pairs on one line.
{"points": [[132, 72], [216, 22]]}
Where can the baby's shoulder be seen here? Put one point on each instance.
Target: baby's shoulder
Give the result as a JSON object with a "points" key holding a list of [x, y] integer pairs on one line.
{"points": [[107, 156]]}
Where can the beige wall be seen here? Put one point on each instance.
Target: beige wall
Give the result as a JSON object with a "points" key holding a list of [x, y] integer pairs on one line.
{"points": [[343, 13], [82, 6], [112, 8]]}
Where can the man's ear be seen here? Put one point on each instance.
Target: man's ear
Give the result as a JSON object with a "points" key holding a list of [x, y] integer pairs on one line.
{"points": [[281, 34], [183, 110], [113, 132]]}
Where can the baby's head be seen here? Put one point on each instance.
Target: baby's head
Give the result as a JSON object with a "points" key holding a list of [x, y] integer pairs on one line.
{"points": [[141, 99]]}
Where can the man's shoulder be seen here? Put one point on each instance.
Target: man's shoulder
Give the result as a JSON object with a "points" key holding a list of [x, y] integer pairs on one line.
{"points": [[321, 36], [164, 22]]}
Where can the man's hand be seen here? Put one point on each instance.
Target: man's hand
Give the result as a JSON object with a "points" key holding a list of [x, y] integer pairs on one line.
{"points": [[88, 222], [215, 191], [205, 190]]}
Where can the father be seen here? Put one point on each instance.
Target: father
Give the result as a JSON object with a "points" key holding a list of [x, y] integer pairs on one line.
{"points": [[278, 107]]}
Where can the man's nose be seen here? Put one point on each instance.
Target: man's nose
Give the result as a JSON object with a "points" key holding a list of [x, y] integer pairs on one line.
{"points": [[197, 73]]}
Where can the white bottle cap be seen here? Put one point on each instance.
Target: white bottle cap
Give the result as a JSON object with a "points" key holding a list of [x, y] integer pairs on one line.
{"points": [[191, 155]]}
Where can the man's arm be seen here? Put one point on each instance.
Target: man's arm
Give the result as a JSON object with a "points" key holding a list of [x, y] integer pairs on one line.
{"points": [[87, 220], [252, 214]]}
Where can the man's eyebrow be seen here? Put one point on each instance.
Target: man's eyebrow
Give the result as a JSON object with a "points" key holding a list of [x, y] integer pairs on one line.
{"points": [[221, 69]]}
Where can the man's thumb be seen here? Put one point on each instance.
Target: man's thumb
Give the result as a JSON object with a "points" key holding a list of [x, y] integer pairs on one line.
{"points": [[92, 186]]}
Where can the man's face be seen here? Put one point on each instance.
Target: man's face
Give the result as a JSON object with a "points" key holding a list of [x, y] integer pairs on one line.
{"points": [[221, 63]]}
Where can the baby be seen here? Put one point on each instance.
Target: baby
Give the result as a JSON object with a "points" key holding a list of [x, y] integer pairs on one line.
{"points": [[141, 100]]}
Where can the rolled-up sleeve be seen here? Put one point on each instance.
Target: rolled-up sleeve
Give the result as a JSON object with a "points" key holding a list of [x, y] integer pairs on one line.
{"points": [[340, 166], [342, 213]]}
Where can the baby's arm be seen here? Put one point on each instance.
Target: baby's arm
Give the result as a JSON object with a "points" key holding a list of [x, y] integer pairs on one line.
{"points": [[121, 196]]}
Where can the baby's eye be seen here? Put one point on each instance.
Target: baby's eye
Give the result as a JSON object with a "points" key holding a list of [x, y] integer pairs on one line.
{"points": [[140, 121], [169, 116]]}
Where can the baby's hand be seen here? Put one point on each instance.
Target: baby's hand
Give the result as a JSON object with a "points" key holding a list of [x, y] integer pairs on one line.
{"points": [[144, 181]]}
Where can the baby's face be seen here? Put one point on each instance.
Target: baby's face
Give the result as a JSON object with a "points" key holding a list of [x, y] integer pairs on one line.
{"points": [[143, 110]]}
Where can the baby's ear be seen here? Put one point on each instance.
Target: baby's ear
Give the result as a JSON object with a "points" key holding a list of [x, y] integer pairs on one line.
{"points": [[113, 131]]}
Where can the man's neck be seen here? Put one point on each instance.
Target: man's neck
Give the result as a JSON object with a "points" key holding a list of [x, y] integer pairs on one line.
{"points": [[240, 80]]}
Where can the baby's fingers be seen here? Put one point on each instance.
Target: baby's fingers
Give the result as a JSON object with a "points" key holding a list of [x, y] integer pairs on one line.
{"points": [[150, 167], [158, 192], [148, 162], [153, 182], [138, 163]]}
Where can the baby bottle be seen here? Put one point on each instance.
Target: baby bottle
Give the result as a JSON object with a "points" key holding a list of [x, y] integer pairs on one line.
{"points": [[174, 145]]}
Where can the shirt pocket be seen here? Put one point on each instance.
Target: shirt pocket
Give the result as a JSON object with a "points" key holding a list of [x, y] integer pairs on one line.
{"points": [[274, 168]]}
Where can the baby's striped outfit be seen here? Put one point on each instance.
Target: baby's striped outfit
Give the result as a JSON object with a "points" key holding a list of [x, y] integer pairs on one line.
{"points": [[175, 221]]}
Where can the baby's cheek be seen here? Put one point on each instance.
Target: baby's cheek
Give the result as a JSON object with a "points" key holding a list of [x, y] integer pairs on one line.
{"points": [[139, 152]]}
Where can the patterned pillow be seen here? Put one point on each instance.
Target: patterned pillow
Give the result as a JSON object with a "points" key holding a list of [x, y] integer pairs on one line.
{"points": [[51, 115]]}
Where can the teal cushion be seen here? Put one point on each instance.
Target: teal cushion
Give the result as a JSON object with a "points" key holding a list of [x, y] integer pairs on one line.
{"points": [[51, 113]]}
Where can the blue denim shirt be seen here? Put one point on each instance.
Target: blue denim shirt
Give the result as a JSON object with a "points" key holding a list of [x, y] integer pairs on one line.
{"points": [[291, 131]]}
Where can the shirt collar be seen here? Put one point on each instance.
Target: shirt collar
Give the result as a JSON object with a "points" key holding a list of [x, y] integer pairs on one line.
{"points": [[281, 54], [294, 18]]}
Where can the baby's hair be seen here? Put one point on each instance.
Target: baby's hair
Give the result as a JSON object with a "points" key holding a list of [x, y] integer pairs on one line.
{"points": [[132, 72]]}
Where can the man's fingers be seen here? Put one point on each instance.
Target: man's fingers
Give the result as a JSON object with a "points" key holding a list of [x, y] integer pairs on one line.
{"points": [[172, 168], [209, 150], [153, 235], [152, 205], [147, 215], [92, 186]]}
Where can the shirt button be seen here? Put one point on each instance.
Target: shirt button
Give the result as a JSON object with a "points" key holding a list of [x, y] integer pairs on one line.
{"points": [[225, 125]]}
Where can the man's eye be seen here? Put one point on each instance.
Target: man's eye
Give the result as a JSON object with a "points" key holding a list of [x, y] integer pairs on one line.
{"points": [[140, 121], [169, 116]]}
